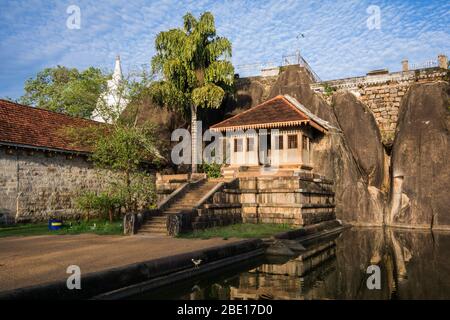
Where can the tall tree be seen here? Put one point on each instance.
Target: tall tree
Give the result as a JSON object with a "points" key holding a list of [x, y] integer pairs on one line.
{"points": [[66, 90], [125, 148], [194, 64]]}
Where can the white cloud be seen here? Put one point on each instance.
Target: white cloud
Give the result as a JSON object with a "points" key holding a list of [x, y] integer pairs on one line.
{"points": [[337, 41]]}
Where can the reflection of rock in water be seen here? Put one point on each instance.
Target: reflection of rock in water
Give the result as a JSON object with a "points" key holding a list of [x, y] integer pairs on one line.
{"points": [[422, 264], [293, 279], [413, 264]]}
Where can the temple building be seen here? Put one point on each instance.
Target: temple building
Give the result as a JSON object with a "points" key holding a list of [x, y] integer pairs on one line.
{"points": [[112, 103], [278, 133]]}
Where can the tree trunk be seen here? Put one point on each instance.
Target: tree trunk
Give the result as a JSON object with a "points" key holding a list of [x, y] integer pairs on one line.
{"points": [[128, 182], [110, 215], [194, 138]]}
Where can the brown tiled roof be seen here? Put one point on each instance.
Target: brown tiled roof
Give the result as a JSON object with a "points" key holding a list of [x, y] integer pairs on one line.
{"points": [[276, 112], [33, 127]]}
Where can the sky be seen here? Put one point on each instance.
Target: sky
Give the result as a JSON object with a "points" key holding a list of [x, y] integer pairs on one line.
{"points": [[338, 38]]}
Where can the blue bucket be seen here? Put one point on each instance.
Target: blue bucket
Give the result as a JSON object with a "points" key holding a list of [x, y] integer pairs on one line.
{"points": [[55, 224]]}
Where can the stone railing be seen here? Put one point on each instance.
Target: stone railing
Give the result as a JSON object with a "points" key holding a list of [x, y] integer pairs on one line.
{"points": [[167, 184], [206, 213], [355, 83], [133, 221]]}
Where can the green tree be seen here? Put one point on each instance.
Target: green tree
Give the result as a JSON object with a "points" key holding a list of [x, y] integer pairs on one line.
{"points": [[105, 203], [195, 68], [66, 90], [126, 150], [86, 202]]}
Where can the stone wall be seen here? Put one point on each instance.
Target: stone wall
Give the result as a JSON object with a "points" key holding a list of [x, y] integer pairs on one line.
{"points": [[36, 185], [302, 200], [382, 93]]}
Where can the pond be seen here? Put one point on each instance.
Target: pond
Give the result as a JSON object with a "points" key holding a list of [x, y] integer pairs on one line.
{"points": [[412, 265]]}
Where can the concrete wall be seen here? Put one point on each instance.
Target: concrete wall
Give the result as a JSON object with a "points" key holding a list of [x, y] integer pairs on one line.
{"points": [[36, 185]]}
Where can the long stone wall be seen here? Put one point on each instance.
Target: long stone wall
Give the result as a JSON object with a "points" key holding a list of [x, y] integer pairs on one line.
{"points": [[382, 93], [35, 185]]}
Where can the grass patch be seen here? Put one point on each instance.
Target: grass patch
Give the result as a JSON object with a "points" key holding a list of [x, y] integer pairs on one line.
{"points": [[70, 227], [241, 230]]}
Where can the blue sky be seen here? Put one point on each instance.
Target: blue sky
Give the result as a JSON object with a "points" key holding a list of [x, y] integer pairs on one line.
{"points": [[337, 42]]}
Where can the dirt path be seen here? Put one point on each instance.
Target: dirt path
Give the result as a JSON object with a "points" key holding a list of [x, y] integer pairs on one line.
{"points": [[26, 261]]}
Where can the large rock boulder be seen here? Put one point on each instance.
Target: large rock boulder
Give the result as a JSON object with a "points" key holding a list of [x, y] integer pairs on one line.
{"points": [[356, 202], [333, 156], [249, 93], [295, 81], [361, 135], [420, 158]]}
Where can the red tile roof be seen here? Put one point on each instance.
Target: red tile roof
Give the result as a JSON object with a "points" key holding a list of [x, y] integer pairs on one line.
{"points": [[276, 112], [33, 127]]}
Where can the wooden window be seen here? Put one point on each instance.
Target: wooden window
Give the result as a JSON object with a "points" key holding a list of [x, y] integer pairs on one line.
{"points": [[237, 145], [279, 145], [250, 144], [305, 142], [292, 141]]}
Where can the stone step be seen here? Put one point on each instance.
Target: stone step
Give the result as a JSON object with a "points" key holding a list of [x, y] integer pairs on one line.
{"points": [[157, 218], [171, 211], [181, 208], [153, 229], [155, 223], [184, 203], [154, 232], [188, 199]]}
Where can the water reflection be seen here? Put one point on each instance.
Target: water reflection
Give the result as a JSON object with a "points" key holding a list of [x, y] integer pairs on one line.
{"points": [[413, 264]]}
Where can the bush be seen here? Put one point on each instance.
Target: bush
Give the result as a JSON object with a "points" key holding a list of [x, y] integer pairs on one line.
{"points": [[212, 170], [104, 204], [86, 202]]}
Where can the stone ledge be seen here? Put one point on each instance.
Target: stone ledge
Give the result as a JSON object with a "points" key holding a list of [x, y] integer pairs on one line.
{"points": [[311, 230], [289, 205], [222, 205], [239, 191]]}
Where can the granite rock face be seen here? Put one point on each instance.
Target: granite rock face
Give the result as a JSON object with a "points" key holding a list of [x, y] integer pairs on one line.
{"points": [[333, 156], [295, 82], [361, 135], [420, 158], [249, 94], [356, 201]]}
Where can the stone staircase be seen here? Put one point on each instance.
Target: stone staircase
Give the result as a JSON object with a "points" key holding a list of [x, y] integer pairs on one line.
{"points": [[157, 224]]}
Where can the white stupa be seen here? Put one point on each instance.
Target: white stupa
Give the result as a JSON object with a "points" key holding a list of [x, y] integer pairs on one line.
{"points": [[113, 101]]}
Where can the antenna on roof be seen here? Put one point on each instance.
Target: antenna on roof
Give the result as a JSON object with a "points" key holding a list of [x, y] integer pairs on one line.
{"points": [[297, 53]]}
